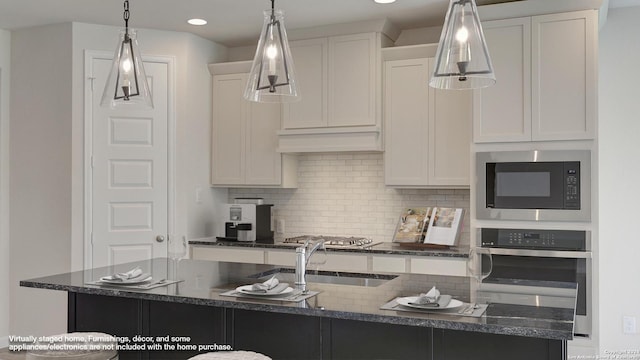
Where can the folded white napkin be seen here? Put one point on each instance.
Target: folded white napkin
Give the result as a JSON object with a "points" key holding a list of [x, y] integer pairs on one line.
{"points": [[264, 286], [125, 276], [432, 299]]}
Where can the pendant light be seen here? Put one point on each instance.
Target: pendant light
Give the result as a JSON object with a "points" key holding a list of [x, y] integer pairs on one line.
{"points": [[462, 58], [272, 76], [127, 82]]}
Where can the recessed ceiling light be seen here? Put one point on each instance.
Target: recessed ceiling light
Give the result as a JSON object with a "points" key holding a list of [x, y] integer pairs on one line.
{"points": [[197, 22], [384, 1]]}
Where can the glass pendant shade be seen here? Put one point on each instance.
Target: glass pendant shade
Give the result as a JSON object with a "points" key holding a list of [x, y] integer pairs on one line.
{"points": [[462, 58], [127, 83], [272, 76]]}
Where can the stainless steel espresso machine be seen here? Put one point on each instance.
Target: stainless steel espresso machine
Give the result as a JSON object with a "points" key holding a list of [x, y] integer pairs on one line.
{"points": [[247, 219]]}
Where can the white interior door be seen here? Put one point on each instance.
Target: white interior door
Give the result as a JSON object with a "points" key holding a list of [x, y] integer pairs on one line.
{"points": [[129, 182]]}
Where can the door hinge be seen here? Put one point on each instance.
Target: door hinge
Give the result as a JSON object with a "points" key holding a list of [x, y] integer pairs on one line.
{"points": [[92, 164], [91, 78]]}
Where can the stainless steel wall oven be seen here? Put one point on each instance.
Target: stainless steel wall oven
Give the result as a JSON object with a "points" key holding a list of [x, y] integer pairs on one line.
{"points": [[527, 261]]}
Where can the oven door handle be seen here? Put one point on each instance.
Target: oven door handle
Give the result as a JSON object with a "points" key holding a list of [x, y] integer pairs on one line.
{"points": [[542, 253]]}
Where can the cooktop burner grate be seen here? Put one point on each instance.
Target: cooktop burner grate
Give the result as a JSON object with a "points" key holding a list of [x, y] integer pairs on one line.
{"points": [[341, 241]]}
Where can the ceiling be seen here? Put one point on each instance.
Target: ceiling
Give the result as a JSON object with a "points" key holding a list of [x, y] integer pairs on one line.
{"points": [[230, 22]]}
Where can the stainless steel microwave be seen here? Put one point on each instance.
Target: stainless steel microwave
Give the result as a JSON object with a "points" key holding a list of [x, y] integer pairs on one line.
{"points": [[539, 185]]}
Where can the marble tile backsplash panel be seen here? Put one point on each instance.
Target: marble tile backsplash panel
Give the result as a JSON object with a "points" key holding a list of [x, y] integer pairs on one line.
{"points": [[344, 194]]}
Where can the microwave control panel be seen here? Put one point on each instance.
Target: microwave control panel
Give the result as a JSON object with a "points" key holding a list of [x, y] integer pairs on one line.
{"points": [[572, 185], [534, 239]]}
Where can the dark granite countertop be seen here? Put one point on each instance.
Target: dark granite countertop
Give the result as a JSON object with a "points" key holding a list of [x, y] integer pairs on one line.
{"points": [[205, 281], [384, 248]]}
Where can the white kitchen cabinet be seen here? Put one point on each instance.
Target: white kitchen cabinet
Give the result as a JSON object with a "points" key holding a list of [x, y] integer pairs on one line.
{"points": [[546, 74], [564, 75], [339, 110], [502, 112], [310, 62], [427, 131], [438, 266], [335, 261], [281, 257], [218, 253], [244, 135], [395, 264]]}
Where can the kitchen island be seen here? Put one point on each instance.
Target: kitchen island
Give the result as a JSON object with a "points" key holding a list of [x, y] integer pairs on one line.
{"points": [[344, 321]]}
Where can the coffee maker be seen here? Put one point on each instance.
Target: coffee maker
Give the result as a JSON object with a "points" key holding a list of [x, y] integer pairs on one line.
{"points": [[248, 220]]}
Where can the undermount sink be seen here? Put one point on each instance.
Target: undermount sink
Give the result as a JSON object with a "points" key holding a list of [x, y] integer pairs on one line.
{"points": [[327, 277]]}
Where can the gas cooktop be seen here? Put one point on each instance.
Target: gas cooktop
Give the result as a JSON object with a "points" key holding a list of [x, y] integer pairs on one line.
{"points": [[334, 241]]}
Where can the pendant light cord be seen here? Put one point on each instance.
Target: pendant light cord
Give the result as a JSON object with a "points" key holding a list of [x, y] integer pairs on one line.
{"points": [[273, 11], [125, 16]]}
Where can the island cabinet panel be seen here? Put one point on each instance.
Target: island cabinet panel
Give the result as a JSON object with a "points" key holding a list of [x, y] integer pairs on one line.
{"points": [[465, 345], [106, 314], [366, 340], [280, 336], [179, 320]]}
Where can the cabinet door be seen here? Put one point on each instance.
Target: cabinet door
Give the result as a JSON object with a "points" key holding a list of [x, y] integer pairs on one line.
{"points": [[406, 119], [264, 164], [229, 114], [310, 66], [352, 80], [449, 136], [564, 76], [502, 112]]}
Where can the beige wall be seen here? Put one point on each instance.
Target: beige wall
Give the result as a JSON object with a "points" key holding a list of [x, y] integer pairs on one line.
{"points": [[5, 54], [40, 170], [619, 128], [47, 225]]}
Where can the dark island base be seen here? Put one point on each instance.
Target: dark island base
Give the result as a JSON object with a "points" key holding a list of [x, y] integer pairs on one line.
{"points": [[287, 336]]}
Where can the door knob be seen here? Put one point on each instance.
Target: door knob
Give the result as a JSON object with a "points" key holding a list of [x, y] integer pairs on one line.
{"points": [[160, 238]]}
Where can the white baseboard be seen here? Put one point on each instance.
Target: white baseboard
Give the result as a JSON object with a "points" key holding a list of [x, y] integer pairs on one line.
{"points": [[4, 342]]}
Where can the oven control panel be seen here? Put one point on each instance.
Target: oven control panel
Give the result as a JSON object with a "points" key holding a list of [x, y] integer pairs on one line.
{"points": [[534, 239]]}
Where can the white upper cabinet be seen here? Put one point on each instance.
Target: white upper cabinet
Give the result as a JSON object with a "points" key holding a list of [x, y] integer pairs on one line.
{"points": [[353, 65], [427, 131], [339, 78], [244, 135], [564, 74], [310, 62], [502, 112], [546, 73]]}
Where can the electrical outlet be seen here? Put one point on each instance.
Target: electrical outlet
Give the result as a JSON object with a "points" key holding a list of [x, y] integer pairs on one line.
{"points": [[280, 226], [629, 324]]}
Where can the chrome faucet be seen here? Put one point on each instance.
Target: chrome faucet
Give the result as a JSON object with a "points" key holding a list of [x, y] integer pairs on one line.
{"points": [[302, 259]]}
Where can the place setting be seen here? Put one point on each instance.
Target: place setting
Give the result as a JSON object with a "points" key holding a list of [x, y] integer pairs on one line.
{"points": [[433, 301], [271, 289], [132, 279]]}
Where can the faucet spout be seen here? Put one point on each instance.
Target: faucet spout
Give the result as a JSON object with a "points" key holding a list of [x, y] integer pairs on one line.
{"points": [[302, 259]]}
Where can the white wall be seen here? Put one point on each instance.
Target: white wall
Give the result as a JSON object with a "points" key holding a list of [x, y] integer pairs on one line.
{"points": [[40, 170], [47, 153], [5, 73], [619, 131]]}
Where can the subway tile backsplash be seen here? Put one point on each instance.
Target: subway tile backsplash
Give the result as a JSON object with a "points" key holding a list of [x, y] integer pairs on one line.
{"points": [[344, 194]]}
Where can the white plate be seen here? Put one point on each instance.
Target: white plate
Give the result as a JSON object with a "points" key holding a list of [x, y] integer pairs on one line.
{"points": [[135, 281], [407, 301], [247, 289]]}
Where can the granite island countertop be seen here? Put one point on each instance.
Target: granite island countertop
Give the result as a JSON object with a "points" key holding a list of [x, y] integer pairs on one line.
{"points": [[382, 248], [203, 282]]}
